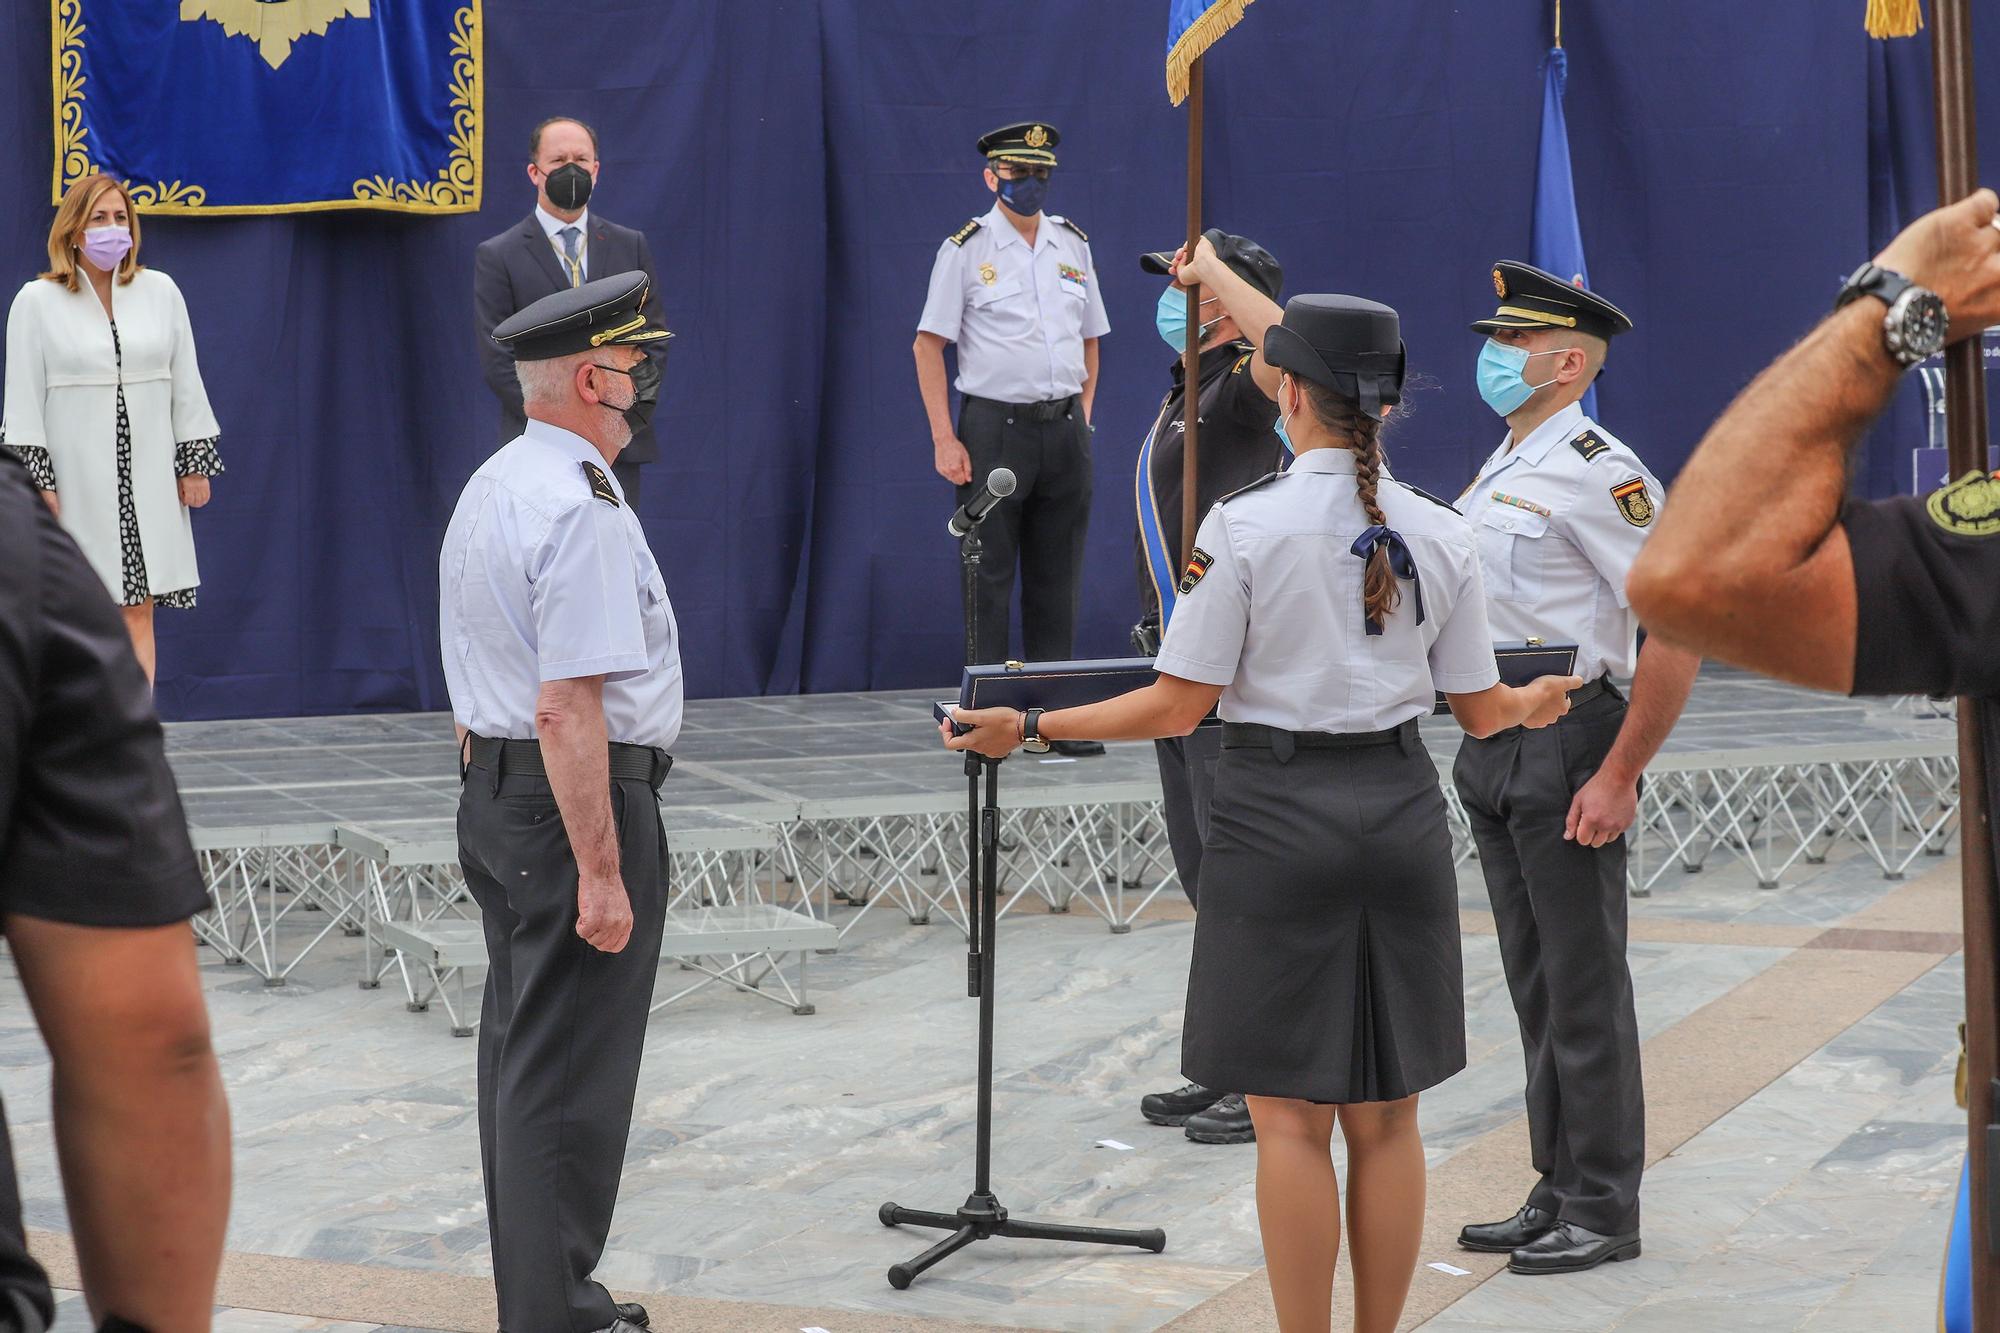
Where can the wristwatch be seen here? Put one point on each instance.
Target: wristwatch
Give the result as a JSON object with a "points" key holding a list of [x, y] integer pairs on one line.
{"points": [[1915, 326], [1031, 732]]}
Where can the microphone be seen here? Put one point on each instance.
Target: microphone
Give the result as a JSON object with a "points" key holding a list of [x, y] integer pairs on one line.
{"points": [[999, 485]]}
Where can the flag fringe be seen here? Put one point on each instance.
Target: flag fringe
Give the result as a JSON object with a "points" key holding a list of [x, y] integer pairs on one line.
{"points": [[1203, 33], [1894, 18]]}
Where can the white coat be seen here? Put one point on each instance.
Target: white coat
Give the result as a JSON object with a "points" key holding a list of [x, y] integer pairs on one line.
{"points": [[62, 396]]}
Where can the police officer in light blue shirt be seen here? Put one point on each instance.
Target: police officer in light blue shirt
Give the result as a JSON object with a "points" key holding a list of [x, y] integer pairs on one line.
{"points": [[563, 662], [1018, 293]]}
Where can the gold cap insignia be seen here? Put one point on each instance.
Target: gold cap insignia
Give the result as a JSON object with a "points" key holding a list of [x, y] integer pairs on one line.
{"points": [[1499, 284], [1036, 137], [987, 274]]}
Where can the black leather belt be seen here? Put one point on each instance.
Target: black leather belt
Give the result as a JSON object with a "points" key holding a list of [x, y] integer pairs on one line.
{"points": [[1590, 690], [1049, 411], [640, 763], [1257, 736]]}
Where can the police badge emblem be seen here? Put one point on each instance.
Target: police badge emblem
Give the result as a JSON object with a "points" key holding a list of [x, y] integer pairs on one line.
{"points": [[1633, 502], [1036, 137], [1969, 506], [988, 274]]}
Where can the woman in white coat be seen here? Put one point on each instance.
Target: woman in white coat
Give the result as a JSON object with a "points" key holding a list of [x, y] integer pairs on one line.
{"points": [[104, 401]]}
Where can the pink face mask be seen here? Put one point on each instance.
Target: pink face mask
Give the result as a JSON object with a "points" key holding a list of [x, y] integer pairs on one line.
{"points": [[106, 246]]}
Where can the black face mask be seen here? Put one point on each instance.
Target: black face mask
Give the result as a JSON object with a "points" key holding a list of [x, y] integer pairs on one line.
{"points": [[568, 186], [645, 379]]}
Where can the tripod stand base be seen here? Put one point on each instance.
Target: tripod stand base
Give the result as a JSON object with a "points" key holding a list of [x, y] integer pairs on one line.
{"points": [[982, 1218]]}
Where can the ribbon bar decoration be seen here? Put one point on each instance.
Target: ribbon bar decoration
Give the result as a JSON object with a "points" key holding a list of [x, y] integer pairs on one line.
{"points": [[214, 107]]}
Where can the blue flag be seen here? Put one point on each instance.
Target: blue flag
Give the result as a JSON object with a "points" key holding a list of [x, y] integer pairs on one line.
{"points": [[1192, 27], [1555, 242], [209, 107]]}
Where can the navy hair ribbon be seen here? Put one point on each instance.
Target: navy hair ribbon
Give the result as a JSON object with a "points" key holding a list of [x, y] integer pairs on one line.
{"points": [[1401, 563]]}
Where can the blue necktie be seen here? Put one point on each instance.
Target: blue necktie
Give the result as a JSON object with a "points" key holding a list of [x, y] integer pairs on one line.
{"points": [[570, 239]]}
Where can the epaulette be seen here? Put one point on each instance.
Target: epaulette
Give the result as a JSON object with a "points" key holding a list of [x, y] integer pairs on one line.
{"points": [[1062, 221], [1241, 362], [1418, 490], [964, 233], [1590, 444], [600, 485], [1264, 480]]}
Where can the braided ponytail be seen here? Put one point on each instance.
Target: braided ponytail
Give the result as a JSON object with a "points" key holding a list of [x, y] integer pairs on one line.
{"points": [[1343, 416]]}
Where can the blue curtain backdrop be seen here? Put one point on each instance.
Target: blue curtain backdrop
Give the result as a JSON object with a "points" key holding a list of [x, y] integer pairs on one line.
{"points": [[796, 162]]}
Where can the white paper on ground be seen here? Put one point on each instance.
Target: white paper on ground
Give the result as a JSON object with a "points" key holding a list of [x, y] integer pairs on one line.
{"points": [[1455, 1272], [1114, 1143]]}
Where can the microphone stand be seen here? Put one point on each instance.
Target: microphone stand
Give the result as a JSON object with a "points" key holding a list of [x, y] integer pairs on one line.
{"points": [[981, 1216]]}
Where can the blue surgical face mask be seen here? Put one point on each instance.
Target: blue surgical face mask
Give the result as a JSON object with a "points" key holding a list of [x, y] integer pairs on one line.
{"points": [[1170, 318], [1284, 436], [1501, 383], [1024, 195]]}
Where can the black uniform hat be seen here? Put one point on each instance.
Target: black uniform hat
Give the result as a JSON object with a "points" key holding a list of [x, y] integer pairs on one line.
{"points": [[1352, 346], [1251, 261], [604, 312], [1533, 299], [1031, 143]]}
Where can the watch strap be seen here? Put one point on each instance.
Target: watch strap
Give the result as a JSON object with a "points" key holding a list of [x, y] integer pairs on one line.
{"points": [[1885, 284], [1031, 729]]}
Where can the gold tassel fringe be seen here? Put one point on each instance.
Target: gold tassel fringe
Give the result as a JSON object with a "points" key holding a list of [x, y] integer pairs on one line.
{"points": [[1895, 18], [1220, 18]]}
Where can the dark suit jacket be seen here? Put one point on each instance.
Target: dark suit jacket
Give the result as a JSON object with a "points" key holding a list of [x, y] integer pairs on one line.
{"points": [[518, 267]]}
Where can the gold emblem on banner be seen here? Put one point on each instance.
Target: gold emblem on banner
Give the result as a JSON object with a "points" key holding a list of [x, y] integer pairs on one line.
{"points": [[988, 274], [273, 24], [1036, 137]]}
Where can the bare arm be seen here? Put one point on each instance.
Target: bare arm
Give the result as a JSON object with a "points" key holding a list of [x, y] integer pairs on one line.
{"points": [[953, 463], [1253, 311], [142, 1125], [1170, 706], [1089, 376], [1498, 707], [569, 720], [1605, 806], [1750, 564]]}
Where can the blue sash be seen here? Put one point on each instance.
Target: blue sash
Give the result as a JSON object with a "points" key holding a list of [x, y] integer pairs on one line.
{"points": [[1161, 564], [1955, 1286]]}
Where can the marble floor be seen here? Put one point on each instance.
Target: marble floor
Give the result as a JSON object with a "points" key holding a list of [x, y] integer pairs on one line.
{"points": [[1807, 1184]]}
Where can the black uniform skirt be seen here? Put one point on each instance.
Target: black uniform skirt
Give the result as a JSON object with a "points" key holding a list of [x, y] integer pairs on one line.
{"points": [[1326, 950]]}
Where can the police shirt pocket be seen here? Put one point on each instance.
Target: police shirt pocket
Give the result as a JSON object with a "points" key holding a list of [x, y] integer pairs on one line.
{"points": [[1511, 547], [984, 296]]}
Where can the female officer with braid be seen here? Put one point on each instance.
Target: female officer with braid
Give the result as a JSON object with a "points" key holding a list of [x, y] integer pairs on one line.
{"points": [[1322, 607]]}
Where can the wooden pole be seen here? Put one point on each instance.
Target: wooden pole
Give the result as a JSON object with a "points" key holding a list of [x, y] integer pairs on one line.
{"points": [[1191, 359], [1965, 428]]}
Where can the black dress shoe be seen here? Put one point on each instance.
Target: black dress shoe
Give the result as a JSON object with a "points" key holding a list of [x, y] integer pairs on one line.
{"points": [[1174, 1108], [634, 1313], [1228, 1121], [1523, 1228], [1077, 749], [1570, 1248]]}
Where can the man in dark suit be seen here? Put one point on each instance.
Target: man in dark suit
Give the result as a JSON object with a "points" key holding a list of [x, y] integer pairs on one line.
{"points": [[561, 244]]}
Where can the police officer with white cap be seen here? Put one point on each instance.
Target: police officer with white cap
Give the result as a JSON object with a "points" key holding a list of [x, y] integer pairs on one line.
{"points": [[1016, 290], [563, 662], [1561, 510], [1323, 607]]}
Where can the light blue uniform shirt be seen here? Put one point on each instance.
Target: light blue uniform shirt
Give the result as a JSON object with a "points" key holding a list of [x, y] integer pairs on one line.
{"points": [[542, 580], [1271, 608]]}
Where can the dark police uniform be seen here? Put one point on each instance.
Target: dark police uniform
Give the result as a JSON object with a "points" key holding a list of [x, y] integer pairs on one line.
{"points": [[1326, 956], [1020, 316], [91, 827], [1238, 444], [1560, 517], [546, 576]]}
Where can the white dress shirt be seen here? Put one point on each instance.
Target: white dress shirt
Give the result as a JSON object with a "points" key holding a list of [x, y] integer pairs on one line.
{"points": [[1561, 518], [1272, 607], [1018, 315], [542, 579], [552, 227]]}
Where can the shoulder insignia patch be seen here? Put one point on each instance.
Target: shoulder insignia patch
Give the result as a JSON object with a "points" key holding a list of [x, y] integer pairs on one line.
{"points": [[1198, 565], [964, 234], [1633, 502], [1969, 506], [1590, 444], [600, 485], [1264, 480], [1081, 235], [1241, 362], [1418, 490]]}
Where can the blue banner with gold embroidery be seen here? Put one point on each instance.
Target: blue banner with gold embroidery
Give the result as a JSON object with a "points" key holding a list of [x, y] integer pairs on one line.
{"points": [[1192, 27], [272, 106]]}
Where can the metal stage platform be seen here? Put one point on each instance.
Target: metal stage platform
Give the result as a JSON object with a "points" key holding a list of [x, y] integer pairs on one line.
{"points": [[790, 818]]}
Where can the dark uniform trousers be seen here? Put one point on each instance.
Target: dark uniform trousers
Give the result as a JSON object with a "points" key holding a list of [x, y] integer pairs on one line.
{"points": [[1187, 785], [1560, 910], [560, 1039], [1041, 524]]}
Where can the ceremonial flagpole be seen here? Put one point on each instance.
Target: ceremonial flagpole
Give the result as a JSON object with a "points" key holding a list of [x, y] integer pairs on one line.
{"points": [[1191, 358]]}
